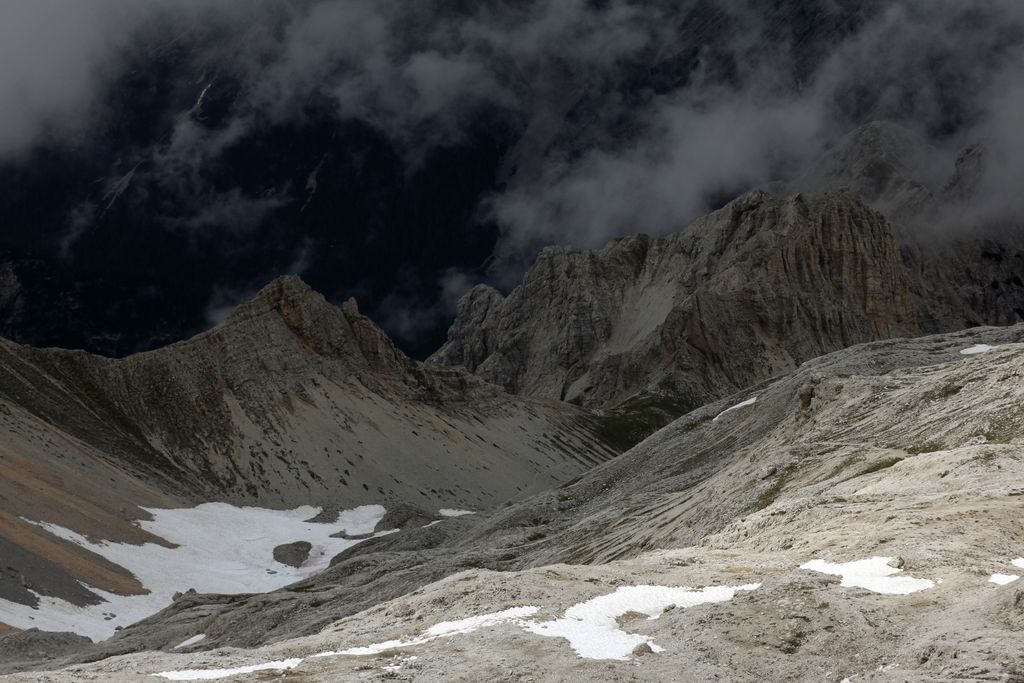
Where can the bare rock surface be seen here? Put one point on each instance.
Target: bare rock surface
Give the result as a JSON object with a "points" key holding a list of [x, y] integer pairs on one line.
{"points": [[293, 554], [742, 295], [907, 451], [290, 402], [20, 649]]}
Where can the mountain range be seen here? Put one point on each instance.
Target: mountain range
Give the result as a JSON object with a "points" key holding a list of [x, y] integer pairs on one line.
{"points": [[739, 366], [515, 340]]}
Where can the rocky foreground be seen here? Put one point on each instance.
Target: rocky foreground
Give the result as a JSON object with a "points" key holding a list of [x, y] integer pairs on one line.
{"points": [[857, 519]]}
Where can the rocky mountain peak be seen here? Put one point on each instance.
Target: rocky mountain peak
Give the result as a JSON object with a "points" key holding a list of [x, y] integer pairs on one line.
{"points": [[740, 295], [289, 306]]}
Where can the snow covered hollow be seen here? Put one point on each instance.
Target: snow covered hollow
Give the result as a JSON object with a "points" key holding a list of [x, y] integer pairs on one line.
{"points": [[592, 628], [875, 575], [749, 402], [220, 549], [976, 349]]}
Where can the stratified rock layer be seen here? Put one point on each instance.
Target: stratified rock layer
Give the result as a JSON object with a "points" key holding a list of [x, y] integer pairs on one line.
{"points": [[742, 295], [290, 402]]}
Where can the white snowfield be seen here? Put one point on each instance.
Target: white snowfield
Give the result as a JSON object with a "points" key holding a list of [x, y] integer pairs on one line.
{"points": [[220, 549], [593, 632], [1003, 579], [873, 574], [590, 627], [214, 674], [448, 512], [978, 348], [445, 629], [749, 402]]}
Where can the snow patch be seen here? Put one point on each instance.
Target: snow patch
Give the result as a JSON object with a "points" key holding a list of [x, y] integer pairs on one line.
{"points": [[445, 629], [198, 106], [1019, 563], [191, 641], [1003, 579], [873, 574], [213, 674], [749, 402], [220, 549], [976, 349], [590, 627], [448, 512], [593, 632]]}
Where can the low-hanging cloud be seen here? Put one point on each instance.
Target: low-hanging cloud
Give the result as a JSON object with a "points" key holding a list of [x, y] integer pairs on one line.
{"points": [[53, 52], [633, 115], [949, 72]]}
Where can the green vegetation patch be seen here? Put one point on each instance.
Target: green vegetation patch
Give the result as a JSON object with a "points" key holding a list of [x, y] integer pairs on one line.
{"points": [[630, 423], [770, 494]]}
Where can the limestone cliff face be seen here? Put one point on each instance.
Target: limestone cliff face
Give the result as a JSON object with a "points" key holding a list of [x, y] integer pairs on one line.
{"points": [[962, 256], [741, 295]]}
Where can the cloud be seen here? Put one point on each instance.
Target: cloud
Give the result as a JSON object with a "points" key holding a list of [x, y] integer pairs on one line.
{"points": [[410, 313], [52, 53], [948, 70], [689, 154], [57, 56], [634, 115], [396, 64], [986, 190]]}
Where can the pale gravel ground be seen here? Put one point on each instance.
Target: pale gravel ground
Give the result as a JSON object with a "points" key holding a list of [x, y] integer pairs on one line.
{"points": [[799, 624]]}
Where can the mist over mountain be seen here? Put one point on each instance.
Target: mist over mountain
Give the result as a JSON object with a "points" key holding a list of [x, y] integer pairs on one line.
{"points": [[162, 161]]}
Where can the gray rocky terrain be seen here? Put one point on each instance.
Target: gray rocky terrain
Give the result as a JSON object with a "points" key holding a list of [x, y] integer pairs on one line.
{"points": [[763, 373], [290, 402], [906, 450], [782, 441]]}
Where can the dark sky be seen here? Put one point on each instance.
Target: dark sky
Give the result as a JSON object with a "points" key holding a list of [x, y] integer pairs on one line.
{"points": [[162, 160]]}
